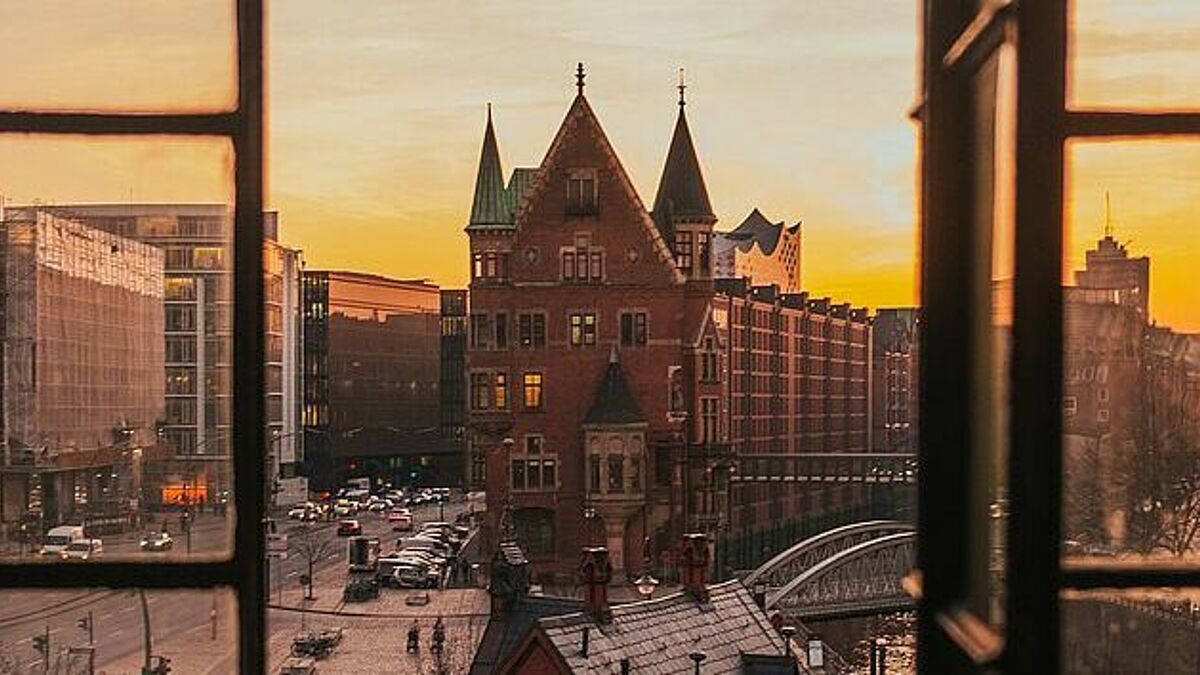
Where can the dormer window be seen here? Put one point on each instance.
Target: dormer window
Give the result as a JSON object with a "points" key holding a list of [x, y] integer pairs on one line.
{"points": [[683, 251], [581, 192]]}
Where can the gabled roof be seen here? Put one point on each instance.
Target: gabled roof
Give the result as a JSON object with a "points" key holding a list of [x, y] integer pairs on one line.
{"points": [[756, 229], [579, 117], [490, 208], [657, 635], [682, 194], [505, 632], [613, 402]]}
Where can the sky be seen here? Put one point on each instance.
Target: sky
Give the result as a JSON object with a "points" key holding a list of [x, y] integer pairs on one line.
{"points": [[376, 114]]}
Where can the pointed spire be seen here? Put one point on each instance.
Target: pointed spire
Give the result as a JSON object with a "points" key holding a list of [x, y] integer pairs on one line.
{"points": [[614, 402], [579, 78], [1108, 225], [490, 206], [682, 194]]}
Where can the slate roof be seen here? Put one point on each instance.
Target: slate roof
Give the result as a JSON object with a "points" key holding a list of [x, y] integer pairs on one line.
{"points": [[613, 402], [657, 635], [756, 228], [504, 633], [682, 194], [490, 207]]}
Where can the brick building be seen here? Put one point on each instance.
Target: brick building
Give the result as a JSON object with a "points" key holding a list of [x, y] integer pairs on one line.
{"points": [[894, 377], [612, 380]]}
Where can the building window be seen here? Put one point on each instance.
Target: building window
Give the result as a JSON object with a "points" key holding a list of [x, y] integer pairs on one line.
{"points": [[481, 329], [531, 470], [501, 331], [594, 473], [535, 531], [633, 329], [1070, 405], [532, 385], [480, 391], [583, 329], [532, 330], [180, 317], [1102, 415], [1102, 394], [490, 265], [635, 474], [584, 263], [581, 192], [708, 361], [708, 420], [501, 391], [616, 473], [683, 251], [703, 251]]}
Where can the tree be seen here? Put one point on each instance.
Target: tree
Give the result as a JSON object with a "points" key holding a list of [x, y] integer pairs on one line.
{"points": [[313, 548]]}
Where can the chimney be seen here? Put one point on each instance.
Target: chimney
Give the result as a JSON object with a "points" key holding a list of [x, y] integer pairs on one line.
{"points": [[595, 571], [695, 562]]}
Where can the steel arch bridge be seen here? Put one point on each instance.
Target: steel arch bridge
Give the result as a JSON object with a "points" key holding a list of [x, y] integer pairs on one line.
{"points": [[803, 556], [861, 580]]}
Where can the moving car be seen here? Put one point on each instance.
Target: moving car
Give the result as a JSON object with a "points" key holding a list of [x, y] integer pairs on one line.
{"points": [[82, 549], [157, 541], [58, 538], [348, 528], [401, 522]]}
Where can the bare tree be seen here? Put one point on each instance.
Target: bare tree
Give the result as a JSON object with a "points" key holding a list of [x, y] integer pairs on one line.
{"points": [[313, 548]]}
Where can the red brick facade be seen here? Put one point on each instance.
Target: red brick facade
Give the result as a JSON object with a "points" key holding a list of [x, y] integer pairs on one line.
{"points": [[602, 356]]}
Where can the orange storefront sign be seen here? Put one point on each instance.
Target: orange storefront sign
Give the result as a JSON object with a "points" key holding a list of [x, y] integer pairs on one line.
{"points": [[183, 495]]}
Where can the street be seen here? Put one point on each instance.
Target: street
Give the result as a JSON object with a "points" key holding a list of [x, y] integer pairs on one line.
{"points": [[181, 622]]}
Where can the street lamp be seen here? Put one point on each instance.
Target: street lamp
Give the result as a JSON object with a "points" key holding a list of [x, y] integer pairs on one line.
{"points": [[788, 632], [697, 658], [646, 583]]}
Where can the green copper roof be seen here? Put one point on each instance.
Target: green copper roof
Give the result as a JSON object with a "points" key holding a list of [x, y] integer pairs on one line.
{"points": [[490, 207], [522, 178]]}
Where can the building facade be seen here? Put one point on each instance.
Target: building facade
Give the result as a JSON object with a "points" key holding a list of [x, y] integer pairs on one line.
{"points": [[608, 373], [372, 402], [196, 240], [83, 389], [895, 365], [453, 379], [765, 252]]}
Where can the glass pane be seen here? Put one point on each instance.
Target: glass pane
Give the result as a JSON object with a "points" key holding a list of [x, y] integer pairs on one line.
{"points": [[1134, 54], [1131, 401], [107, 630], [116, 386], [1135, 630], [128, 55]]}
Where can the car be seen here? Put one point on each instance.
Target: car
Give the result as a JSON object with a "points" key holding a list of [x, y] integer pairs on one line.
{"points": [[157, 541], [347, 528], [378, 507], [297, 513], [82, 549], [399, 513], [401, 522]]}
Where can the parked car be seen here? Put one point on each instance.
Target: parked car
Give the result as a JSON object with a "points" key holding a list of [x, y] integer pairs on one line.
{"points": [[401, 522], [298, 665], [157, 541], [59, 538], [348, 528], [82, 549], [360, 590]]}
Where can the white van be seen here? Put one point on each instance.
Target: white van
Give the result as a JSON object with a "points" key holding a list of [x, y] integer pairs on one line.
{"points": [[59, 538]]}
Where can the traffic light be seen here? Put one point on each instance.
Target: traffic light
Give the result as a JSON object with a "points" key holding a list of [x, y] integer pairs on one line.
{"points": [[41, 645]]}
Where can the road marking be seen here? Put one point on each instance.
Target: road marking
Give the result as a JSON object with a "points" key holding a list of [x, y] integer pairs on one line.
{"points": [[106, 615], [126, 609], [115, 632], [21, 642], [293, 573]]}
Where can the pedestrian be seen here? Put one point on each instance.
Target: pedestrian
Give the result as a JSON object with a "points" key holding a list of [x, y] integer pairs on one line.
{"points": [[439, 636], [414, 639]]}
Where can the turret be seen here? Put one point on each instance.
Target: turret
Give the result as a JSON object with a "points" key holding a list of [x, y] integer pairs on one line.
{"points": [[682, 210]]}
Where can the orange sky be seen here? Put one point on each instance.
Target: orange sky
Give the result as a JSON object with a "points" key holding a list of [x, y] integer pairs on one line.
{"points": [[376, 116]]}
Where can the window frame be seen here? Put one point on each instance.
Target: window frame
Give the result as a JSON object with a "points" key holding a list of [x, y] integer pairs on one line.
{"points": [[244, 572], [957, 40]]}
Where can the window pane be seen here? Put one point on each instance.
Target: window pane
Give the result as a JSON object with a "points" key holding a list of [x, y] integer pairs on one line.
{"points": [[130, 55], [1131, 402], [179, 622], [1135, 630], [1134, 54], [118, 392]]}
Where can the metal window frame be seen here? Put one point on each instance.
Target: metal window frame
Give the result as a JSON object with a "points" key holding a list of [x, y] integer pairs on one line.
{"points": [[244, 572], [958, 36]]}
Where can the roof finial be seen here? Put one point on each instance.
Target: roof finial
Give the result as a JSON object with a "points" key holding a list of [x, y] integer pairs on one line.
{"points": [[489, 108], [681, 87], [579, 78], [1108, 226]]}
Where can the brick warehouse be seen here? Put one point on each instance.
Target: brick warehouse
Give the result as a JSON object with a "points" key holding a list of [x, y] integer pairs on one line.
{"points": [[612, 378]]}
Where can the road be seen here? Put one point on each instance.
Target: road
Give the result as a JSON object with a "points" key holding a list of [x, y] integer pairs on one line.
{"points": [[174, 615]]}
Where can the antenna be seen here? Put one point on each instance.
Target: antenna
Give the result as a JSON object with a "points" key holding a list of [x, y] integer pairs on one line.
{"points": [[1108, 226]]}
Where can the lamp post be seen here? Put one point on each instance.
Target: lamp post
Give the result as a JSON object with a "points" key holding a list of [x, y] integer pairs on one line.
{"points": [[646, 583], [697, 658]]}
